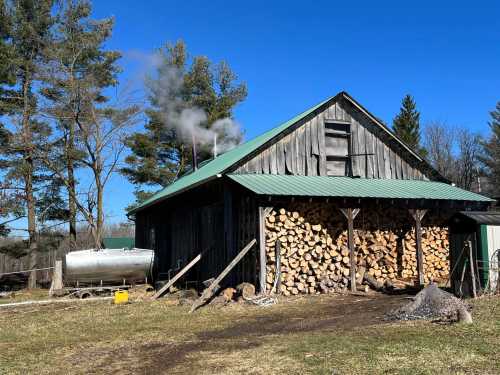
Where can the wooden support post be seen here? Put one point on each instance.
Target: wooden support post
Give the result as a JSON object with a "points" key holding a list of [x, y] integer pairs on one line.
{"points": [[472, 271], [277, 276], [229, 242], [57, 279], [350, 214], [418, 215], [165, 287], [263, 212], [207, 293]]}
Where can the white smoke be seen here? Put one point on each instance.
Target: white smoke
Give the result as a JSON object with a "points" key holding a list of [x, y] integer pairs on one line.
{"points": [[190, 122]]}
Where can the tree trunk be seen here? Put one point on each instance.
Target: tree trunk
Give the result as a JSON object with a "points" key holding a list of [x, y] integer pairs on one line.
{"points": [[71, 188], [28, 182], [100, 215]]}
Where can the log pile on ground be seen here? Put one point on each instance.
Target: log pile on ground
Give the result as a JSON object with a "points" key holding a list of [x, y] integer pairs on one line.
{"points": [[315, 256], [433, 303]]}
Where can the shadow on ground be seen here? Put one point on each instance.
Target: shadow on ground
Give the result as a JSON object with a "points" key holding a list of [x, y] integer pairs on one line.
{"points": [[320, 314]]}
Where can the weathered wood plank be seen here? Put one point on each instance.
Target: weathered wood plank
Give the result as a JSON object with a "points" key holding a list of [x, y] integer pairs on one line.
{"points": [[369, 158], [280, 157], [294, 150], [273, 168], [361, 150], [353, 139], [265, 161], [164, 288], [301, 151], [350, 214], [380, 158], [288, 145], [308, 150], [321, 145], [376, 166], [418, 215], [209, 292], [314, 136]]}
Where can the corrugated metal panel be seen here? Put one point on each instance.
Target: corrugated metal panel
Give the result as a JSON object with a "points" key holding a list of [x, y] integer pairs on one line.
{"points": [[118, 242], [222, 162], [323, 186], [483, 217]]}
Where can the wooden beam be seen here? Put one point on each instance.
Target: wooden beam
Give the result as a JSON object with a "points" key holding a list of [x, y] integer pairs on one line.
{"points": [[418, 215], [263, 212], [472, 271], [165, 287], [277, 277], [207, 293], [350, 214]]}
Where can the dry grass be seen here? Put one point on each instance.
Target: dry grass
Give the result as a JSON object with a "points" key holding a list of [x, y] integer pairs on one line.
{"points": [[313, 335]]}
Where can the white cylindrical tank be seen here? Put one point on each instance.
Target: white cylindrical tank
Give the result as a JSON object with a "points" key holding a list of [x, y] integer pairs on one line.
{"points": [[108, 266]]}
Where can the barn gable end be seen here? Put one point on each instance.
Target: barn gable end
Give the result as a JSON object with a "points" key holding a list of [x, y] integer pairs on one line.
{"points": [[338, 139]]}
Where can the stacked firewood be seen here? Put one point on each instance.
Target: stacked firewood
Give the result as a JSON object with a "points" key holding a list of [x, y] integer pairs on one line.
{"points": [[315, 257], [435, 247]]}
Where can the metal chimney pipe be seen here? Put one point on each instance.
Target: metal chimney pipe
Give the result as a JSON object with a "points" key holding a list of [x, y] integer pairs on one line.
{"points": [[215, 146], [195, 161]]}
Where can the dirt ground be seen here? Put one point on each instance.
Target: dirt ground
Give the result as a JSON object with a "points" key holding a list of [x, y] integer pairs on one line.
{"points": [[311, 334], [328, 314]]}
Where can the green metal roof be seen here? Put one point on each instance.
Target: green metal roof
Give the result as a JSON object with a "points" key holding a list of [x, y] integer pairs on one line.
{"points": [[222, 162], [118, 242], [323, 186]]}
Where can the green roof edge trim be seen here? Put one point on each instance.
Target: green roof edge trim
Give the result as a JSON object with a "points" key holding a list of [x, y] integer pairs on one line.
{"points": [[221, 163], [326, 186]]}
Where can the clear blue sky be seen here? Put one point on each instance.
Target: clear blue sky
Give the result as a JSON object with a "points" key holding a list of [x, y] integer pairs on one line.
{"points": [[294, 54]]}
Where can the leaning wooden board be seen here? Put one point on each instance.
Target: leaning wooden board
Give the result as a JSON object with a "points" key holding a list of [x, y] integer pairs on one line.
{"points": [[176, 277], [207, 293]]}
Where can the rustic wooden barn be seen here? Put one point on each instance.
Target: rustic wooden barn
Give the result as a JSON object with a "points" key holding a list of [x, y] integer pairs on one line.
{"points": [[336, 158]]}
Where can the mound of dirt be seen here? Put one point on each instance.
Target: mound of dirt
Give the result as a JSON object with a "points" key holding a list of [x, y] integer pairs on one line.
{"points": [[433, 303]]}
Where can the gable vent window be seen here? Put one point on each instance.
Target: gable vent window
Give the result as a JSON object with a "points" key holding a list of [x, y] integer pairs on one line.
{"points": [[337, 147]]}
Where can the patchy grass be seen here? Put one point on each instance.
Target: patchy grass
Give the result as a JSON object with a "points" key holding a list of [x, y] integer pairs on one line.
{"points": [[308, 335], [25, 295]]}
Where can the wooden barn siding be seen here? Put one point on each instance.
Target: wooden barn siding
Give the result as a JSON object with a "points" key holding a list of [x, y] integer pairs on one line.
{"points": [[303, 151], [185, 226], [247, 228], [216, 220]]}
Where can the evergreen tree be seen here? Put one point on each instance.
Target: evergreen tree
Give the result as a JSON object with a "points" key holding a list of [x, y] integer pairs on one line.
{"points": [[90, 127], [26, 27], [76, 63], [406, 124], [159, 154], [491, 153]]}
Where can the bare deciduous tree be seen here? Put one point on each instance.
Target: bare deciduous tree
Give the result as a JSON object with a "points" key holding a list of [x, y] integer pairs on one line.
{"points": [[454, 152], [438, 141], [467, 164]]}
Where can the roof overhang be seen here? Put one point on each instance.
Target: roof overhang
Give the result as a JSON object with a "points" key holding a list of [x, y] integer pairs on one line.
{"points": [[348, 187]]}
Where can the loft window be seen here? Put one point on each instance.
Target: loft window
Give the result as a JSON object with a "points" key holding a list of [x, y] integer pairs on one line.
{"points": [[337, 147]]}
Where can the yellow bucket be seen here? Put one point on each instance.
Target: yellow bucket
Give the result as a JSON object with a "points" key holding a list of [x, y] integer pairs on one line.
{"points": [[121, 296]]}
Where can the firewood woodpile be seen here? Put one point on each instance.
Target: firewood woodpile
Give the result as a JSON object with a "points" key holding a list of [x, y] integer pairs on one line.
{"points": [[435, 246], [315, 256]]}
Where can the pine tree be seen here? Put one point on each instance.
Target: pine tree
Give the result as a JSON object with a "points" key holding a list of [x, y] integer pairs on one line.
{"points": [[491, 153], [26, 28], [75, 57], [90, 126], [406, 124], [159, 154]]}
